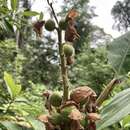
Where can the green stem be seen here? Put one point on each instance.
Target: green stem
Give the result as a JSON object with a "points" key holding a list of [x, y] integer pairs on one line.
{"points": [[63, 67]]}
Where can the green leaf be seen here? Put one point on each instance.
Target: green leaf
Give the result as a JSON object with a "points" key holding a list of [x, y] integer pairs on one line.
{"points": [[119, 54], [118, 108], [10, 125], [126, 121], [30, 13], [22, 100], [8, 25], [41, 16], [13, 89], [14, 4], [36, 124]]}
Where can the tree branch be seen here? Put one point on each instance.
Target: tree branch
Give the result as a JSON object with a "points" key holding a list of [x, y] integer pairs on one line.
{"points": [[54, 14], [104, 94]]}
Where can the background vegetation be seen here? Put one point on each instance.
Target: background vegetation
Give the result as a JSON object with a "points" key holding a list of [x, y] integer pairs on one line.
{"points": [[30, 65]]}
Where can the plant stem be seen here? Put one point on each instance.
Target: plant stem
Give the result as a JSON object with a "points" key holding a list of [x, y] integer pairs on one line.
{"points": [[53, 12], [104, 94], [63, 65]]}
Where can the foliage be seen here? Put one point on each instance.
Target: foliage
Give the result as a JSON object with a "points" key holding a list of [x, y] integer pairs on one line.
{"points": [[115, 110], [17, 107], [7, 56], [118, 54], [42, 57], [36, 63], [91, 69], [121, 14]]}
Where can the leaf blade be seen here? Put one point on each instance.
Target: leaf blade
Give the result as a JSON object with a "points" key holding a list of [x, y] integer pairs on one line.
{"points": [[13, 89], [118, 108]]}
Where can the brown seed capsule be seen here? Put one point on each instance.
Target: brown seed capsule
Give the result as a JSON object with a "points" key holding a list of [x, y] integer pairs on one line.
{"points": [[82, 93]]}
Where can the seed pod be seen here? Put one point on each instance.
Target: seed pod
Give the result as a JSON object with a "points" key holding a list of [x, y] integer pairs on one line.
{"points": [[65, 112], [62, 24], [55, 99], [55, 119], [68, 49], [50, 25], [81, 94]]}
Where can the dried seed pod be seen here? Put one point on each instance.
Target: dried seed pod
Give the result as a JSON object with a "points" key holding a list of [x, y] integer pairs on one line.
{"points": [[81, 94]]}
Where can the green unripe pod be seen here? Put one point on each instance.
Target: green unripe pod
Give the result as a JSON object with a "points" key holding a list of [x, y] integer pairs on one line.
{"points": [[55, 99], [55, 119], [63, 24], [50, 25], [68, 49], [84, 122], [65, 112]]}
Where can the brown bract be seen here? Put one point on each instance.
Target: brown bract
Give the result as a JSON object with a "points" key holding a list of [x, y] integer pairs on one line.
{"points": [[67, 104], [70, 60], [82, 93], [43, 118], [75, 115], [75, 125], [72, 14], [38, 27], [93, 116], [71, 33], [47, 93]]}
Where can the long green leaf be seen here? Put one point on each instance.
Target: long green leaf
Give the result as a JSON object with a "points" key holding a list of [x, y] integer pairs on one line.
{"points": [[119, 54], [30, 13], [14, 4], [10, 126], [13, 89], [8, 25], [118, 108], [37, 125]]}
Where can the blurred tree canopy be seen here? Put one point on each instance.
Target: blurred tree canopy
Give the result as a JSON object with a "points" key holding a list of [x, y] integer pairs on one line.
{"points": [[36, 60], [121, 14]]}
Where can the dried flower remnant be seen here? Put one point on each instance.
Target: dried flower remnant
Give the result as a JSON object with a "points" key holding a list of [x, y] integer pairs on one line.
{"points": [[82, 93], [72, 14], [93, 116], [71, 33], [38, 27]]}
